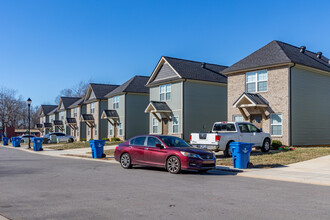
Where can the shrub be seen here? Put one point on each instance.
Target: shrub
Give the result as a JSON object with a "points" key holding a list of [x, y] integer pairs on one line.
{"points": [[276, 144], [105, 139], [83, 139], [115, 139], [91, 139]]}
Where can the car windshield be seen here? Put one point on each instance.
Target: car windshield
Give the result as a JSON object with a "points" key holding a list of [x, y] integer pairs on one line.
{"points": [[174, 141]]}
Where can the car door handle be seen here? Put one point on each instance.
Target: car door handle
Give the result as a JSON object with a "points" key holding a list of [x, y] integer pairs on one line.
{"points": [[130, 146], [146, 148]]}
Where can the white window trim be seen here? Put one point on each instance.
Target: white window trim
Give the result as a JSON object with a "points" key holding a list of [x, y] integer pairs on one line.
{"points": [[152, 126], [170, 92], [178, 123], [256, 81], [115, 101], [120, 129], [238, 116], [270, 122], [92, 109]]}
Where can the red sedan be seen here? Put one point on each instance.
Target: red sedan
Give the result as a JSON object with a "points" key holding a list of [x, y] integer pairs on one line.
{"points": [[172, 153]]}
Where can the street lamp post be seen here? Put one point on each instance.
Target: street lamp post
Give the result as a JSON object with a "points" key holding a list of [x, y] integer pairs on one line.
{"points": [[29, 104]]}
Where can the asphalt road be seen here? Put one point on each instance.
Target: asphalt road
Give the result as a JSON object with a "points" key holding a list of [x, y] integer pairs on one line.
{"points": [[42, 187]]}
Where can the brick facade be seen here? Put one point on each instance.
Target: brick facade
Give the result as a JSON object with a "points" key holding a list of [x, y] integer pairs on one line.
{"points": [[277, 96]]}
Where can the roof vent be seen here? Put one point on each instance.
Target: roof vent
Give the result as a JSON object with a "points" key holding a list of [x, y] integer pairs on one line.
{"points": [[203, 65], [302, 49], [319, 55]]}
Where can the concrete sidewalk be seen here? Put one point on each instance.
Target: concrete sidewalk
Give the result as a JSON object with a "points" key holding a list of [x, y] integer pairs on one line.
{"points": [[315, 171]]}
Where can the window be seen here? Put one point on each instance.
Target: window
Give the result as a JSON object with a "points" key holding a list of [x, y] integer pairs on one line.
{"points": [[62, 116], [276, 124], [152, 141], [89, 130], [154, 125], [256, 81], [252, 128], [138, 141], [175, 124], [95, 129], [115, 102], [92, 108], [111, 130], [224, 127], [120, 129], [238, 118], [165, 92], [243, 128], [75, 112]]}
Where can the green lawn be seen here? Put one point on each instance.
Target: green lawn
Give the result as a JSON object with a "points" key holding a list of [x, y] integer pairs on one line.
{"points": [[75, 145], [276, 158]]}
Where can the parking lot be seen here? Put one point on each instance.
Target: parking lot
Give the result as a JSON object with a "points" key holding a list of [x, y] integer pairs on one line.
{"points": [[41, 187]]}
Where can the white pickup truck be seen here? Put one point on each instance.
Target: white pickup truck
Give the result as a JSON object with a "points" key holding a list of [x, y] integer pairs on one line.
{"points": [[223, 133]]}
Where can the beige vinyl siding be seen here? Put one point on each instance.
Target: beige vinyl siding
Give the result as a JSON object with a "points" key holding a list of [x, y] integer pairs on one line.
{"points": [[174, 103], [310, 107], [204, 104]]}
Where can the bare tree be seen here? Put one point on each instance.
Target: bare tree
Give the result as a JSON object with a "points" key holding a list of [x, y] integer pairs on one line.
{"points": [[77, 90]]}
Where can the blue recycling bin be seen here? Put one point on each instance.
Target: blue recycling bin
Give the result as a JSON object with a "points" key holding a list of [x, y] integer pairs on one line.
{"points": [[97, 147], [16, 141], [241, 154], [5, 141], [37, 143]]}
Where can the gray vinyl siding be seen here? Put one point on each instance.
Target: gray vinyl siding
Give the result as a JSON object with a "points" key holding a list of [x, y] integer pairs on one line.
{"points": [[310, 94], [204, 104], [175, 104], [121, 114], [165, 72], [82, 128], [103, 124], [136, 120]]}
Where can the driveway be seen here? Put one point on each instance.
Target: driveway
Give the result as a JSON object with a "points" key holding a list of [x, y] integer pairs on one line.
{"points": [[36, 186]]}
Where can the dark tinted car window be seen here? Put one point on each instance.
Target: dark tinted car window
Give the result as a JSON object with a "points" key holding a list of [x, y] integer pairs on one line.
{"points": [[174, 141], [243, 128], [139, 141], [152, 141], [224, 127], [60, 134]]}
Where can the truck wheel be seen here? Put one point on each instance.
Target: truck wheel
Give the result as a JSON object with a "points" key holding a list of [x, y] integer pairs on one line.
{"points": [[228, 152], [266, 145]]}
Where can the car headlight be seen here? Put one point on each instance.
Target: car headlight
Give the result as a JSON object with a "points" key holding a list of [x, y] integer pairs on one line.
{"points": [[190, 154]]}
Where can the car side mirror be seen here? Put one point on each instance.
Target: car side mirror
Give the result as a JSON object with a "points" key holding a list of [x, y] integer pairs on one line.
{"points": [[159, 146], [260, 130]]}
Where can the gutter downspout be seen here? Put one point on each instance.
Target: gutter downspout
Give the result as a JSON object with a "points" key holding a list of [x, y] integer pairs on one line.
{"points": [[290, 105]]}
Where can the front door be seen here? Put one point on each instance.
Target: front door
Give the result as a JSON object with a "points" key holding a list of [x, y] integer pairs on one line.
{"points": [[164, 126], [256, 120]]}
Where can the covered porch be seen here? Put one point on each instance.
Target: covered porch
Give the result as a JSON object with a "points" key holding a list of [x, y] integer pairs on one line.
{"points": [[89, 120], [58, 124], [113, 118], [49, 127], [162, 112], [72, 123], [253, 108]]}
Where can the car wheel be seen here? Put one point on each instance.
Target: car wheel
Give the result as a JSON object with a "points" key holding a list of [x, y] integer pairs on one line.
{"points": [[228, 152], [71, 140], [266, 145], [173, 165], [125, 161]]}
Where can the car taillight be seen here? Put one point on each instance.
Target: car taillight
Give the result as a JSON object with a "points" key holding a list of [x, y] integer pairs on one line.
{"points": [[116, 147], [217, 138], [190, 137]]}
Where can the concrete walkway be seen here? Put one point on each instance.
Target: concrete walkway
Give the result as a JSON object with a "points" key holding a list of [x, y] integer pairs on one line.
{"points": [[315, 171]]}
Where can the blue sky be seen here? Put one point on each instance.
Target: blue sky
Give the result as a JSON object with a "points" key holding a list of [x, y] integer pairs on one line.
{"points": [[46, 46]]}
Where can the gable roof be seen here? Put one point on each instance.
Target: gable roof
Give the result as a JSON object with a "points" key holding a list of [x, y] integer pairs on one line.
{"points": [[67, 101], [135, 85], [53, 111], [254, 99], [47, 108], [99, 90], [80, 101], [277, 52], [187, 69]]}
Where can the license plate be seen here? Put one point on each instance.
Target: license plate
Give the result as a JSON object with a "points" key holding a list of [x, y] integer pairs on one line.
{"points": [[202, 146]]}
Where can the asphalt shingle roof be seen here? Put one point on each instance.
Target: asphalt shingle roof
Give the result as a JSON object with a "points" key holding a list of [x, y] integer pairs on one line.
{"points": [[277, 52], [111, 114], [135, 84], [53, 111], [58, 122], [48, 108], [80, 101], [39, 126], [188, 69], [67, 101], [71, 120], [48, 125], [87, 117], [160, 106], [255, 98], [100, 90]]}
